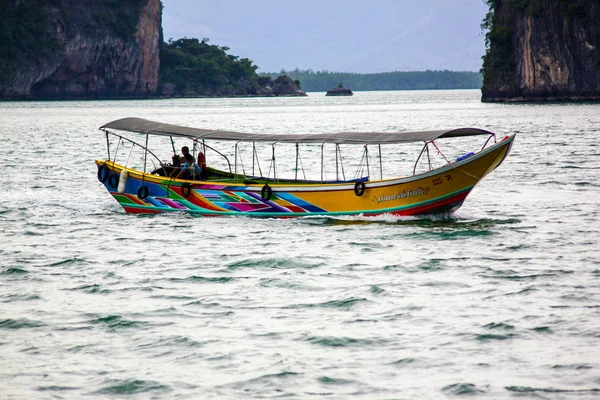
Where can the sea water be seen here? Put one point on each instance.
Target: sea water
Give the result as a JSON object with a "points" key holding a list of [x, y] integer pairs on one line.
{"points": [[499, 300]]}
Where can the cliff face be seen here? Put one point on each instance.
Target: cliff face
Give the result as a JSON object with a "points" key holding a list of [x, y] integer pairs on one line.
{"points": [[99, 49], [542, 50]]}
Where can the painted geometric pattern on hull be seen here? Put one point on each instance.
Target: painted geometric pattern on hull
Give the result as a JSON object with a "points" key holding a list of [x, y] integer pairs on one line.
{"points": [[213, 202], [214, 199], [239, 203]]}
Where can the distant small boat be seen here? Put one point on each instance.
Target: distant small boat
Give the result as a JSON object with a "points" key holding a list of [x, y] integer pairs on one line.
{"points": [[440, 189]]}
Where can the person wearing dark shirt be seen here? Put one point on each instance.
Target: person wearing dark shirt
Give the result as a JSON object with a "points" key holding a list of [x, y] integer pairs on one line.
{"points": [[189, 170]]}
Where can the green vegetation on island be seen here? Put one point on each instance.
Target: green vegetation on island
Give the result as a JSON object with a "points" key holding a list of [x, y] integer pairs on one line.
{"points": [[24, 36], [499, 64], [195, 66], [322, 81], [190, 67]]}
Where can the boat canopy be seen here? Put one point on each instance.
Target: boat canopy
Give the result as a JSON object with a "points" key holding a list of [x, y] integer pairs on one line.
{"points": [[140, 125]]}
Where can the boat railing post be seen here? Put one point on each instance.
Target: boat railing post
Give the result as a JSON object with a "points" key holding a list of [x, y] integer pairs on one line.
{"points": [[253, 155]]}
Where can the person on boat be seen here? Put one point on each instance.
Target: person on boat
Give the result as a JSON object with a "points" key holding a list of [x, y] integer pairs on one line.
{"points": [[202, 165], [190, 169], [178, 160]]}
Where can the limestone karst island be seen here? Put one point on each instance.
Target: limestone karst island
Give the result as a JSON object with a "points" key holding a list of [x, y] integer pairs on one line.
{"points": [[542, 50], [107, 49], [537, 50]]}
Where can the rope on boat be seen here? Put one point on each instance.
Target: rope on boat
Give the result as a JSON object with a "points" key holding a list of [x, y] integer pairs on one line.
{"points": [[128, 157], [339, 150], [301, 165], [117, 149], [361, 165], [242, 161]]}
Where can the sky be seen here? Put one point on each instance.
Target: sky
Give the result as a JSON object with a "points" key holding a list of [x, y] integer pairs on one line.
{"points": [[363, 36]]}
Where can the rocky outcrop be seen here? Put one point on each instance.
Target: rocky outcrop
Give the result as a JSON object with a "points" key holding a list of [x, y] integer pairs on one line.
{"points": [[285, 86], [102, 49], [542, 50], [339, 91]]}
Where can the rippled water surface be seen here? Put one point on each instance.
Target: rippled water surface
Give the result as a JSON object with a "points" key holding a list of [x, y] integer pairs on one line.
{"points": [[499, 300]]}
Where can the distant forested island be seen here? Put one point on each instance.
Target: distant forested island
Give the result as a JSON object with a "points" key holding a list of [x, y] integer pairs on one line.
{"points": [[321, 81]]}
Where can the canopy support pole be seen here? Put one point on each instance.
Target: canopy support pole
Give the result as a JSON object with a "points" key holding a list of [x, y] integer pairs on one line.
{"points": [[173, 145], [107, 144], [337, 174], [322, 146], [297, 155], [367, 158], [145, 158], [274, 166], [380, 165], [235, 162], [428, 158]]}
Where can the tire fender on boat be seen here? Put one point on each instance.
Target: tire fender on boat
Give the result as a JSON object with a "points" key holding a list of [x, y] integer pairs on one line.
{"points": [[103, 173], [123, 181], [266, 192], [143, 192], [186, 189], [113, 181], [359, 188]]}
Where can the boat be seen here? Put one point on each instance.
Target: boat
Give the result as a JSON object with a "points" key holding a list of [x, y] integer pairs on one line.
{"points": [[230, 186]]}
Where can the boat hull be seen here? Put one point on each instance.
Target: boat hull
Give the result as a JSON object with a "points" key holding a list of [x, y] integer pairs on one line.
{"points": [[442, 190]]}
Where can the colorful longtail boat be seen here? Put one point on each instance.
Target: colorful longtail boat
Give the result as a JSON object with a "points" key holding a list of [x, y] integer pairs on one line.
{"points": [[232, 191]]}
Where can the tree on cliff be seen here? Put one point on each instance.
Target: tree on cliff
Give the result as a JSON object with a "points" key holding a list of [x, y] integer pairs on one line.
{"points": [[499, 61], [24, 37], [198, 67]]}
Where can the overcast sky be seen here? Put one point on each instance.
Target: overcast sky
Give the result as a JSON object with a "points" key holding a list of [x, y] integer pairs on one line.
{"points": [[337, 35]]}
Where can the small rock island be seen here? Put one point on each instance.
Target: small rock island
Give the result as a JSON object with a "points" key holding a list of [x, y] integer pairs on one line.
{"points": [[340, 90]]}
